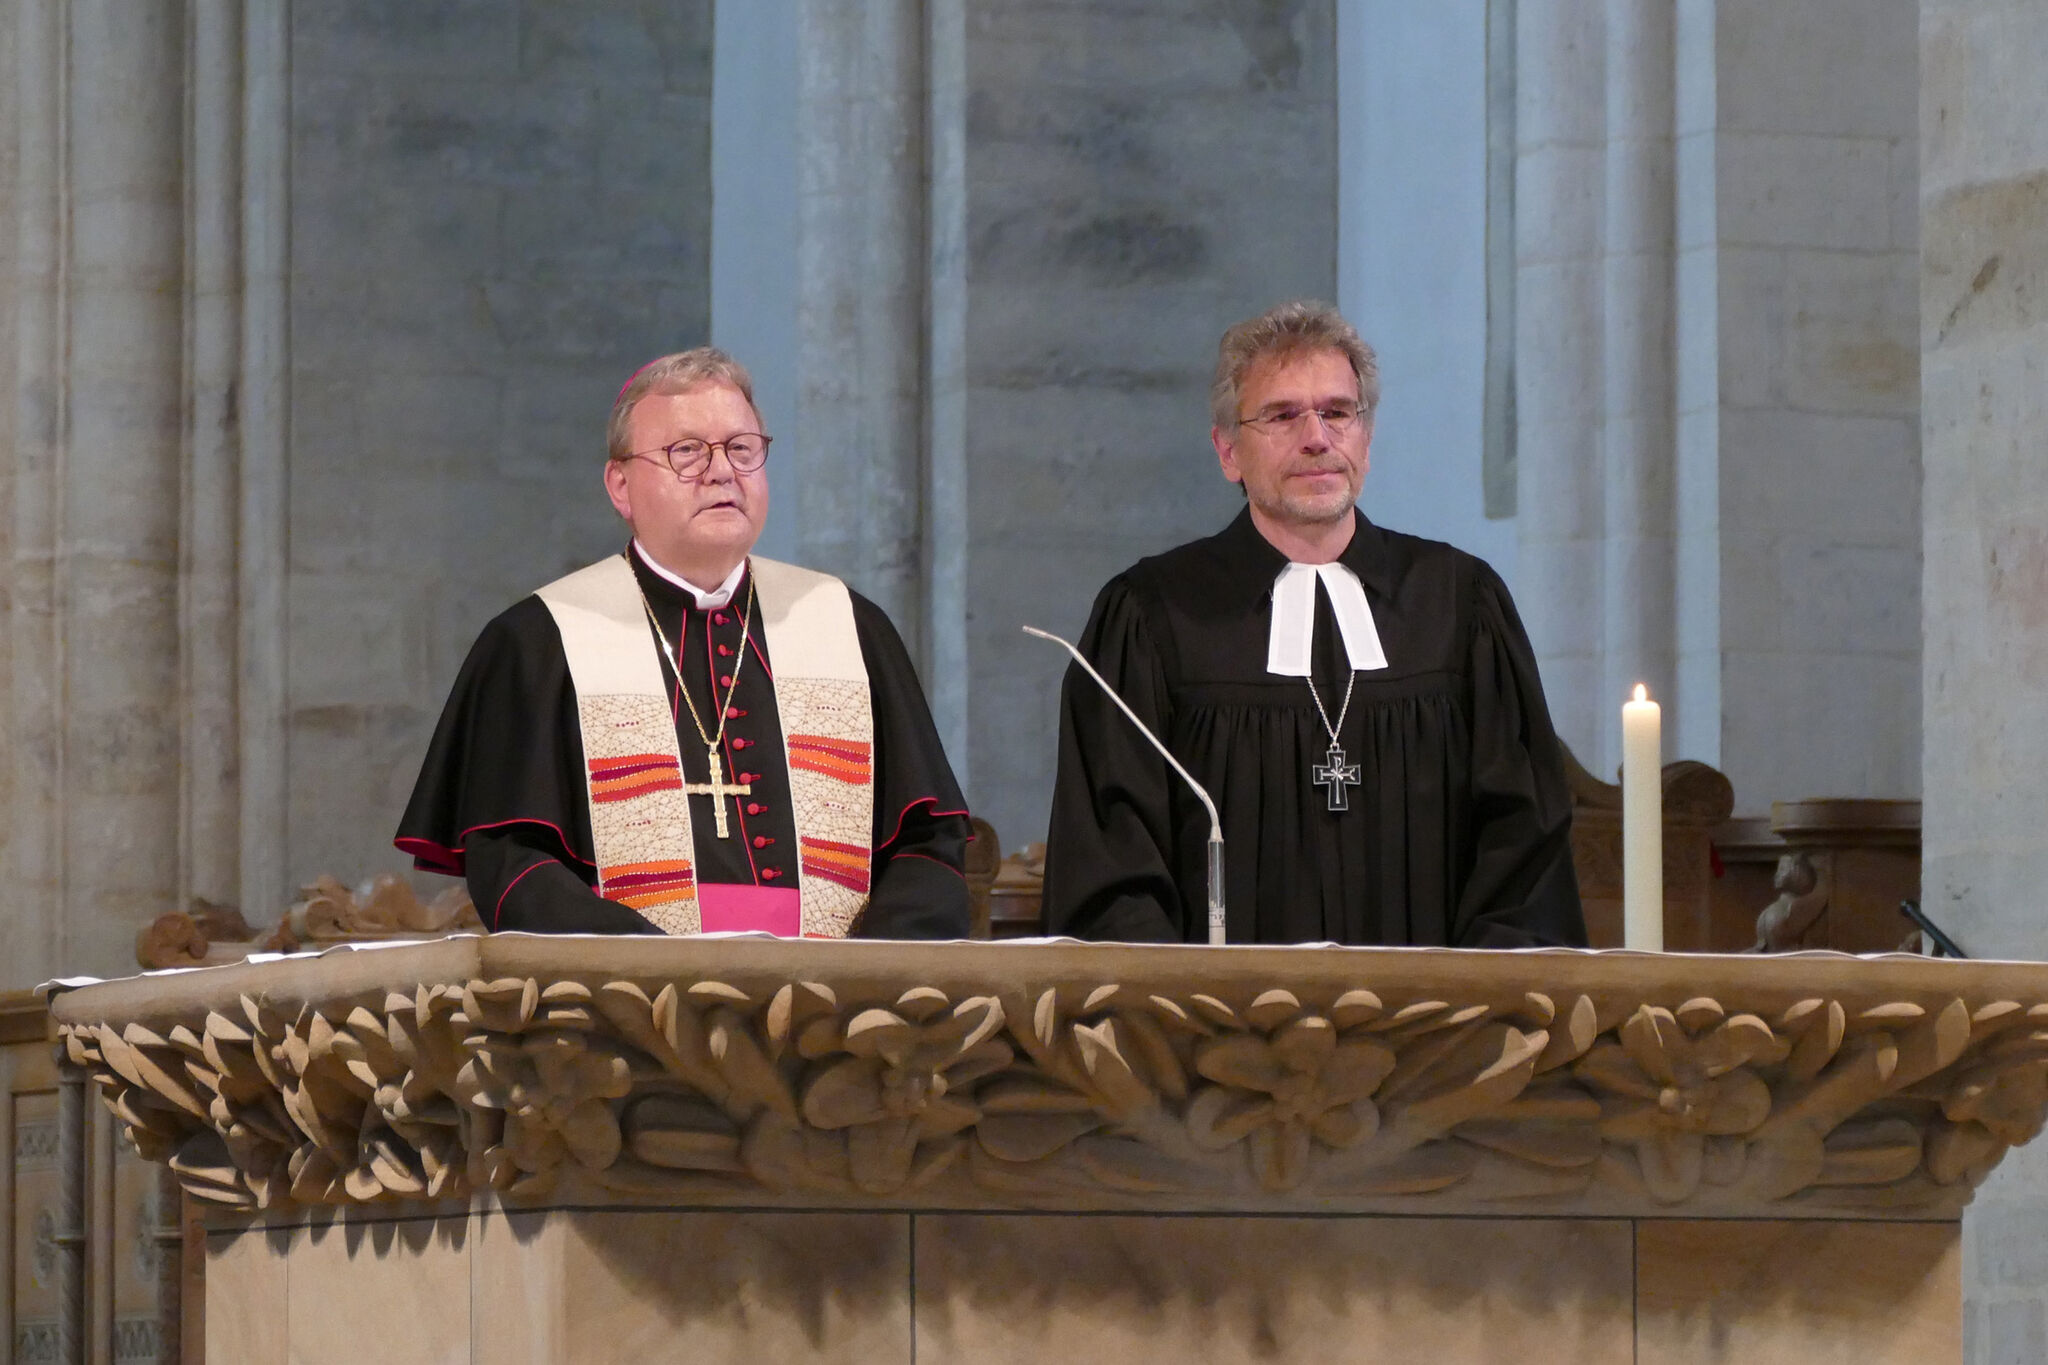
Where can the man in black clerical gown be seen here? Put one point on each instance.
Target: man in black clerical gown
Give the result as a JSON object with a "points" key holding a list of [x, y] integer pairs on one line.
{"points": [[840, 812], [1362, 705]]}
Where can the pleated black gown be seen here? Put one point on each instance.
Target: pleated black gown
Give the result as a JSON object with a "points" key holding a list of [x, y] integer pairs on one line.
{"points": [[1458, 833]]}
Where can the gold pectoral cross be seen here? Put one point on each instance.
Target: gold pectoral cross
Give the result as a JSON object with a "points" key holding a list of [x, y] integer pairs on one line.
{"points": [[718, 789]]}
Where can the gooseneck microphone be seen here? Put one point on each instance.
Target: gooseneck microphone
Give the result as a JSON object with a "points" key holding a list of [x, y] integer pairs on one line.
{"points": [[1217, 936]]}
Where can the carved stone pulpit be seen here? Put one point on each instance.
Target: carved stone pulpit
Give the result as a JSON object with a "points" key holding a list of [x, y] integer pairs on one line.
{"points": [[513, 1149]]}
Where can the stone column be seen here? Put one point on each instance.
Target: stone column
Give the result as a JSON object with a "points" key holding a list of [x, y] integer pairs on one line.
{"points": [[1638, 569], [1693, 726], [134, 527], [1984, 394], [11, 218], [861, 266], [210, 832], [99, 465], [264, 514], [1560, 387], [35, 845], [948, 539]]}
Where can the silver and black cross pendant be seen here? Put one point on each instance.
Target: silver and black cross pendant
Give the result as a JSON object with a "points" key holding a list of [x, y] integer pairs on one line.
{"points": [[1335, 774]]}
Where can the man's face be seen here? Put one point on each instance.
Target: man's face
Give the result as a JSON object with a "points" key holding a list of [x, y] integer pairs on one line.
{"points": [[689, 524], [1299, 473]]}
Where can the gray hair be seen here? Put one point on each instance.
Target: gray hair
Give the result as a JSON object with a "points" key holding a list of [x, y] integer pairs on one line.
{"points": [[1290, 329], [671, 374]]}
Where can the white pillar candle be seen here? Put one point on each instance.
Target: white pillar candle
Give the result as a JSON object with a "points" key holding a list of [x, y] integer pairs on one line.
{"points": [[1642, 824]]}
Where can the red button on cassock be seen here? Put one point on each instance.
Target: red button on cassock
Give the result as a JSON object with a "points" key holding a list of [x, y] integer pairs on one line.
{"points": [[750, 778], [725, 680], [755, 808], [725, 651], [762, 841], [720, 619], [733, 713], [739, 743], [769, 874]]}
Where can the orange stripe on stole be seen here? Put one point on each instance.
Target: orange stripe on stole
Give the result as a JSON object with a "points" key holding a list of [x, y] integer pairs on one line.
{"points": [[631, 775], [849, 760], [846, 864], [640, 885]]}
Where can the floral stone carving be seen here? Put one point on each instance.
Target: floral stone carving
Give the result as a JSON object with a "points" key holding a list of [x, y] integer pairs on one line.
{"points": [[1070, 1076]]}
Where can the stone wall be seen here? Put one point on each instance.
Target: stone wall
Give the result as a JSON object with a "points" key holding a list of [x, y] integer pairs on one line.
{"points": [[499, 210], [1815, 246], [1716, 382], [1984, 385]]}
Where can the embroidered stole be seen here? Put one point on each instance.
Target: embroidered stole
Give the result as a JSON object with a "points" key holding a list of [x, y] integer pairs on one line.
{"points": [[639, 814]]}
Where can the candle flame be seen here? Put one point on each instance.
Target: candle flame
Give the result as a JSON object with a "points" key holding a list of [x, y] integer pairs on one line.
{"points": [[1642, 692]]}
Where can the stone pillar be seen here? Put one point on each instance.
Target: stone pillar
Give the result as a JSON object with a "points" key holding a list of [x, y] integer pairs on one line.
{"points": [[140, 527], [1596, 450], [1637, 440], [210, 831], [1693, 726], [98, 474], [35, 847], [860, 328], [1561, 392], [1983, 197], [264, 514], [948, 538]]}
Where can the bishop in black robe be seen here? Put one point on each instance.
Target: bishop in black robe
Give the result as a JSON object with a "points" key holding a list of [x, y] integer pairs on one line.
{"points": [[1458, 832], [501, 799]]}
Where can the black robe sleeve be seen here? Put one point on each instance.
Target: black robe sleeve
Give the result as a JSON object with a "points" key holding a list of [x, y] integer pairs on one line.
{"points": [[917, 886], [1109, 871], [1522, 890], [517, 882], [499, 795]]}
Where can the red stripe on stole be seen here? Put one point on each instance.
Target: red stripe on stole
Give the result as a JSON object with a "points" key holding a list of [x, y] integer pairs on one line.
{"points": [[845, 748], [845, 864], [645, 881], [852, 881], [638, 874], [607, 794], [643, 899], [853, 774], [627, 767]]}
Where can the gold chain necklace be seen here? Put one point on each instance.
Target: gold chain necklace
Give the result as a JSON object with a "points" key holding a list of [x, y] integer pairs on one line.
{"points": [[717, 788]]}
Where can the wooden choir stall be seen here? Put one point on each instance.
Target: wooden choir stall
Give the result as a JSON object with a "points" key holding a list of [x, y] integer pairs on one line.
{"points": [[522, 1149]]}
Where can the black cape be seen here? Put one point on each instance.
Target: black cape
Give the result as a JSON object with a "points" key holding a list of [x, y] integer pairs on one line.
{"points": [[1459, 833], [502, 798]]}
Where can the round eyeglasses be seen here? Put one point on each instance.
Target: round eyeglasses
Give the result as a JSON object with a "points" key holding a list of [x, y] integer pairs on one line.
{"points": [[690, 458], [1337, 418]]}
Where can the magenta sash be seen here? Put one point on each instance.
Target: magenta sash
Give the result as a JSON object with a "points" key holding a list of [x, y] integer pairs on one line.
{"points": [[729, 907]]}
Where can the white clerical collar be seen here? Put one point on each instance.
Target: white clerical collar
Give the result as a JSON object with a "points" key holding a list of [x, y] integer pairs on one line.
{"points": [[706, 601], [1289, 646]]}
